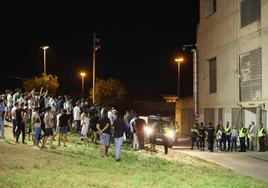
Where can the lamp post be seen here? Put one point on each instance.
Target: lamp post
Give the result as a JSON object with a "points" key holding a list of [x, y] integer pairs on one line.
{"points": [[96, 47], [179, 60], [45, 63], [82, 74]]}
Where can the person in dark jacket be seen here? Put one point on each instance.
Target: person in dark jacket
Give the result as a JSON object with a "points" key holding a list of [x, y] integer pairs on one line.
{"points": [[119, 130], [210, 134]]}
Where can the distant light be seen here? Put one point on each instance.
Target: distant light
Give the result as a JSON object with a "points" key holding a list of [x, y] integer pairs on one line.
{"points": [[82, 74], [44, 47], [179, 60]]}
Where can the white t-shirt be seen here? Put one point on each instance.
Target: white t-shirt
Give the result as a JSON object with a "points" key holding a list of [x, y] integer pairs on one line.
{"points": [[9, 100], [58, 119], [76, 112], [35, 115], [85, 126], [13, 112], [30, 103]]}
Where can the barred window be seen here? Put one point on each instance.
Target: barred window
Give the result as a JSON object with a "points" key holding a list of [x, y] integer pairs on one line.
{"points": [[212, 75], [210, 7], [251, 75], [250, 11]]}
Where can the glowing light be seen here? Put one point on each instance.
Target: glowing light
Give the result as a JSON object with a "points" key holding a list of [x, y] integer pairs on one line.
{"points": [[179, 60], [82, 74]]}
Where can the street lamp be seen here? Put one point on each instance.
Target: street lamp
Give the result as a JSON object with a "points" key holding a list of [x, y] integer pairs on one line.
{"points": [[179, 60], [82, 74], [45, 66]]}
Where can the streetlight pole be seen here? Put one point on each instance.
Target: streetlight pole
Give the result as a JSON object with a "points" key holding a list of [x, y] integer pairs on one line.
{"points": [[95, 48], [45, 63], [195, 81], [82, 74], [179, 60]]}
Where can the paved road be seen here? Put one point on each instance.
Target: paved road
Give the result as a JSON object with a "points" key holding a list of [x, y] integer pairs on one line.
{"points": [[253, 164]]}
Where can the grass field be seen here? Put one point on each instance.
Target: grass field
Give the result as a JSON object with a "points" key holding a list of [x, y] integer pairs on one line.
{"points": [[76, 166]]}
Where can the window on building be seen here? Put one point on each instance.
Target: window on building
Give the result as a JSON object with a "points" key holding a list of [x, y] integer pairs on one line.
{"points": [[250, 69], [250, 11], [212, 75], [210, 7]]}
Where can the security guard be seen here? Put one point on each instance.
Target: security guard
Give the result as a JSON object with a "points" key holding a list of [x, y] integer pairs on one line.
{"points": [[261, 136], [202, 135], [211, 134], [227, 130], [242, 136], [194, 137], [166, 139]]}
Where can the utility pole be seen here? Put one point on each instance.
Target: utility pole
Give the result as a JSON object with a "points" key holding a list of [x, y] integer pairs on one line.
{"points": [[96, 47], [195, 81]]}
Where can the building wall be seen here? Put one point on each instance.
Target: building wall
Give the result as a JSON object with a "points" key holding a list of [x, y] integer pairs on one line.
{"points": [[220, 35], [185, 115]]}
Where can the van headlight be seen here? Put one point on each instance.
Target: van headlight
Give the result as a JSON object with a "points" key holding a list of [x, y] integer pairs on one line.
{"points": [[170, 134]]}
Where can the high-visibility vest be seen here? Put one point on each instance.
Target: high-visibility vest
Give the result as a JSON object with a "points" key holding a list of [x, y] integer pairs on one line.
{"points": [[241, 133], [166, 129], [260, 132], [227, 129]]}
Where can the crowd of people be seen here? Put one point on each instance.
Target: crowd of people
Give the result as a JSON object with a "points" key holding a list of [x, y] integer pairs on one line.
{"points": [[44, 118], [226, 137]]}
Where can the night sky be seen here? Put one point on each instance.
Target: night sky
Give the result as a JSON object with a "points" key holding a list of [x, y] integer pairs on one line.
{"points": [[139, 41]]}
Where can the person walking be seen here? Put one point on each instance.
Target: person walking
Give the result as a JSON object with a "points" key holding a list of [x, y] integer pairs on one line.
{"points": [[119, 130], [261, 136], [242, 136], [210, 132]]}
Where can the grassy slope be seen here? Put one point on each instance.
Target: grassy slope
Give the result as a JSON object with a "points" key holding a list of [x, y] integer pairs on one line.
{"points": [[75, 166]]}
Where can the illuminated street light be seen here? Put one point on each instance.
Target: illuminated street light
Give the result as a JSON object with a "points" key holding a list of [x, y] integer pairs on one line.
{"points": [[179, 61], [45, 63], [82, 74]]}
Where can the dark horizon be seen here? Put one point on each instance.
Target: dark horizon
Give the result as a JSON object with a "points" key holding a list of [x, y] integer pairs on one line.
{"points": [[138, 44]]}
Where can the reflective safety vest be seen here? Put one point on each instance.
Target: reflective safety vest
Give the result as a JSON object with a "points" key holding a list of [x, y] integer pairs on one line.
{"points": [[227, 129], [261, 132], [242, 133], [166, 129]]}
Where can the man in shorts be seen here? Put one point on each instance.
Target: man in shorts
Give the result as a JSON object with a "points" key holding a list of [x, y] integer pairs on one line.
{"points": [[36, 121], [48, 127], [104, 129], [63, 127]]}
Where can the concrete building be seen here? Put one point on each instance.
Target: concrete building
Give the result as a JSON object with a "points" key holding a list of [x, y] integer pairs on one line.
{"points": [[232, 46]]}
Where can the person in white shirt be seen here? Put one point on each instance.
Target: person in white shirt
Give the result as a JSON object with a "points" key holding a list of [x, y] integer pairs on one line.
{"points": [[77, 114], [13, 116], [9, 105], [85, 126]]}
